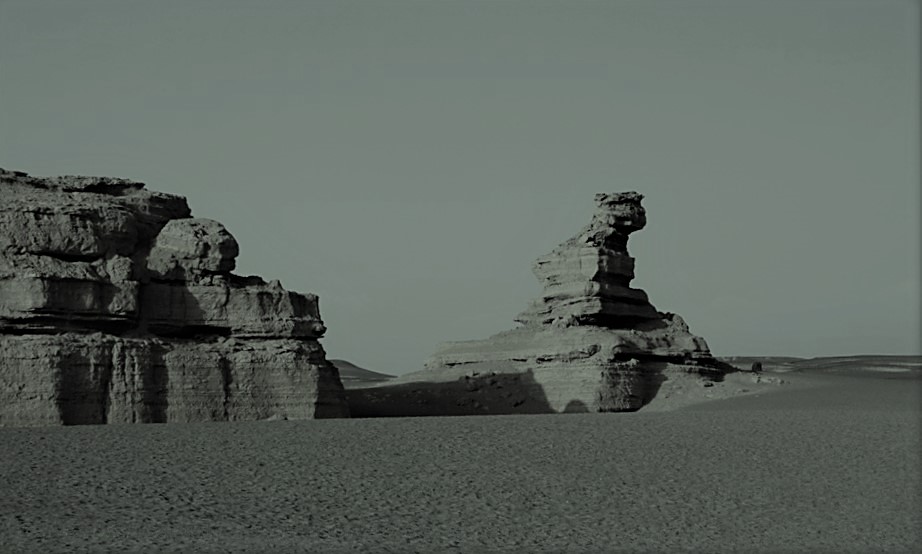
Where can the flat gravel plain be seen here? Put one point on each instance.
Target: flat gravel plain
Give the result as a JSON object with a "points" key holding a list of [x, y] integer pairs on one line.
{"points": [[841, 474]]}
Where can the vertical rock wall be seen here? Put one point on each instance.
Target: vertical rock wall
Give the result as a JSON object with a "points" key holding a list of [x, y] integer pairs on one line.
{"points": [[116, 306]]}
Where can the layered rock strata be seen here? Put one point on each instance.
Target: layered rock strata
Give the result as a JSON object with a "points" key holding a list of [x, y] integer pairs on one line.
{"points": [[117, 306], [589, 343]]}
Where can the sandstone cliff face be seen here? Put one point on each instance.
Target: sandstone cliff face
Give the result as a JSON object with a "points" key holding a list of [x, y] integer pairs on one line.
{"points": [[589, 343], [117, 306]]}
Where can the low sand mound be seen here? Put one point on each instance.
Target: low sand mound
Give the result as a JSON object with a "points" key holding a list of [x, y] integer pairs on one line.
{"points": [[352, 375], [680, 393]]}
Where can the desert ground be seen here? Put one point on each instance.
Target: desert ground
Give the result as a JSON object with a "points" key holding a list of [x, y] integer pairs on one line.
{"points": [[829, 461]]}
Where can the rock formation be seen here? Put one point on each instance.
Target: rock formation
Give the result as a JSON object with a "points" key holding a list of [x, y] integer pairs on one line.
{"points": [[589, 343], [116, 306]]}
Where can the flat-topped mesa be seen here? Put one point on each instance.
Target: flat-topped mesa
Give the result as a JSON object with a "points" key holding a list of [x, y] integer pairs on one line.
{"points": [[589, 343], [587, 278], [116, 305]]}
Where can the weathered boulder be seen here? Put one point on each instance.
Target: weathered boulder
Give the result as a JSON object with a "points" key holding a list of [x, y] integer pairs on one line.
{"points": [[188, 249], [117, 306], [589, 343]]}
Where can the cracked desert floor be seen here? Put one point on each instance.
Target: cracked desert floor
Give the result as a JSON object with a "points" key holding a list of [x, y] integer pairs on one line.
{"points": [[825, 463]]}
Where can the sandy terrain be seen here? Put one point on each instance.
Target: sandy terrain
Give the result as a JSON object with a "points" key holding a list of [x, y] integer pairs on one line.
{"points": [[824, 463], [849, 364]]}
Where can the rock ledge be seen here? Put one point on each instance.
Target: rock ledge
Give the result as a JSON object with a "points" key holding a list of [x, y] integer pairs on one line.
{"points": [[117, 306]]}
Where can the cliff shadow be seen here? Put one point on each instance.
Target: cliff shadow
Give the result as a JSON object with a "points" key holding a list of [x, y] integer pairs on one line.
{"points": [[488, 393], [651, 381], [170, 309], [493, 393], [84, 391], [630, 389], [155, 386], [657, 372], [82, 387]]}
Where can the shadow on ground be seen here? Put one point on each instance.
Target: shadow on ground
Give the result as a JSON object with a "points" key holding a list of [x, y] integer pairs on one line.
{"points": [[489, 394], [495, 393]]}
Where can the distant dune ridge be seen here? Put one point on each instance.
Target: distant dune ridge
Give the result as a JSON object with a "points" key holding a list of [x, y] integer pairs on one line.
{"points": [[117, 306], [589, 343], [864, 362]]}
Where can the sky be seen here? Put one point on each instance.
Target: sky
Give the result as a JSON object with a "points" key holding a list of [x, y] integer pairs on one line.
{"points": [[407, 161]]}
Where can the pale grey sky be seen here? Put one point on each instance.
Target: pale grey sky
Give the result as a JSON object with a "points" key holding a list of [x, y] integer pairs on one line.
{"points": [[407, 161]]}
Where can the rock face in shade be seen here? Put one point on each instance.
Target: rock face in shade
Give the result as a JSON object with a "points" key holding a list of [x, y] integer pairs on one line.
{"points": [[589, 343], [116, 306]]}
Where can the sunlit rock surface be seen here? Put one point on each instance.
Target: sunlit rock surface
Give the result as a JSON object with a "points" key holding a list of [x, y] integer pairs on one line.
{"points": [[116, 306], [589, 343]]}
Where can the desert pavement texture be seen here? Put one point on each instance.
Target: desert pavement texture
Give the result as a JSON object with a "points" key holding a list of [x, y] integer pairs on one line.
{"points": [[827, 464], [116, 306]]}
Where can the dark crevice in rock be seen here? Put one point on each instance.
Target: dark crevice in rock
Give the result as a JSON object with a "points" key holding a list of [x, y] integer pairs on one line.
{"points": [[24, 331], [164, 281], [618, 279], [71, 257], [245, 336], [645, 357], [105, 392], [189, 331], [78, 395], [227, 379], [105, 186], [611, 321], [244, 280], [50, 325], [155, 387]]}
